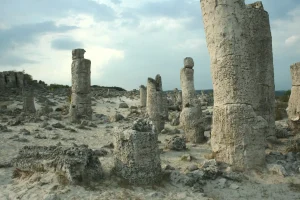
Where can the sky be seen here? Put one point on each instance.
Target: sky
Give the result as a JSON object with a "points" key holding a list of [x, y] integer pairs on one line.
{"points": [[127, 41]]}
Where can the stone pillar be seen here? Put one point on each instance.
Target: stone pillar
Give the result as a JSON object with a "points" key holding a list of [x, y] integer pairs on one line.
{"points": [[191, 114], [143, 96], [154, 104], [81, 87], [258, 25], [10, 79], [20, 79], [136, 154], [294, 101], [187, 81], [2, 81], [28, 100], [238, 133]]}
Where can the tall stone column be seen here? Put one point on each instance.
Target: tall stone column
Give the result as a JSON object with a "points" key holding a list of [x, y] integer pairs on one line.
{"points": [[81, 81], [239, 129], [294, 101], [20, 79], [187, 81], [143, 95], [154, 103], [191, 114], [28, 100]]}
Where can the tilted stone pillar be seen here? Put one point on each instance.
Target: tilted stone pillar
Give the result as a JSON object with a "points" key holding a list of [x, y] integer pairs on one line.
{"points": [[81, 87], [187, 81], [136, 154], [191, 114], [28, 100], [294, 101], [239, 129], [154, 104], [143, 96]]}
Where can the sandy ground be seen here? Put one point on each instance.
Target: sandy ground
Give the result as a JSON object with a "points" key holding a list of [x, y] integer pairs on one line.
{"points": [[257, 185]]}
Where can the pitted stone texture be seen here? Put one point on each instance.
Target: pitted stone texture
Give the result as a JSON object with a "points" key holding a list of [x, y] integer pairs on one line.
{"points": [[192, 122], [78, 53], [239, 140], [10, 79], [240, 46], [188, 62], [154, 104], [28, 101], [20, 79], [143, 96], [81, 76], [81, 81], [187, 85], [79, 164], [136, 156], [294, 100]]}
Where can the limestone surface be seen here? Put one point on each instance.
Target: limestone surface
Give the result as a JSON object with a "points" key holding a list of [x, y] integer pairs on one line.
{"points": [[136, 154], [77, 163]]}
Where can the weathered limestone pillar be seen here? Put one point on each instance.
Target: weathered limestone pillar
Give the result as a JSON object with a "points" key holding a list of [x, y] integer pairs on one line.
{"points": [[10, 79], [2, 81], [260, 39], [187, 81], [20, 79], [154, 104], [81, 81], [238, 134], [143, 96], [191, 114], [294, 101], [136, 154], [28, 101]]}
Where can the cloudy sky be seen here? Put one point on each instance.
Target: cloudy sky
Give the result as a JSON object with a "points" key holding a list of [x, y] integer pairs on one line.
{"points": [[127, 40]]}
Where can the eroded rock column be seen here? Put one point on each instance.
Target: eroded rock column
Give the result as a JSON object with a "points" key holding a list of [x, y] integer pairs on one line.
{"points": [[294, 101], [154, 104], [28, 100], [238, 133], [191, 114], [187, 81], [136, 154], [143, 96], [81, 81], [2, 81]]}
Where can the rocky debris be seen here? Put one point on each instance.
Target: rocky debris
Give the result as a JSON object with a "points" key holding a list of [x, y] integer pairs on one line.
{"points": [[281, 132], [123, 105], [78, 164], [176, 143], [38, 136], [4, 129], [24, 132], [45, 110], [136, 154], [277, 169], [15, 122], [175, 120], [58, 125], [100, 152], [116, 117], [210, 169]]}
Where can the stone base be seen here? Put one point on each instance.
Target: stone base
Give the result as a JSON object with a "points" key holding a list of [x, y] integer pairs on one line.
{"points": [[137, 157], [238, 136]]}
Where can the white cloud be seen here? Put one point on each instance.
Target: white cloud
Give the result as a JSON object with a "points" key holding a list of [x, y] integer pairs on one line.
{"points": [[291, 41]]}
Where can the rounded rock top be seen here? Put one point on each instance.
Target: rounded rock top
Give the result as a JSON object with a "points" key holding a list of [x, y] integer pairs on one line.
{"points": [[78, 53], [188, 62]]}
